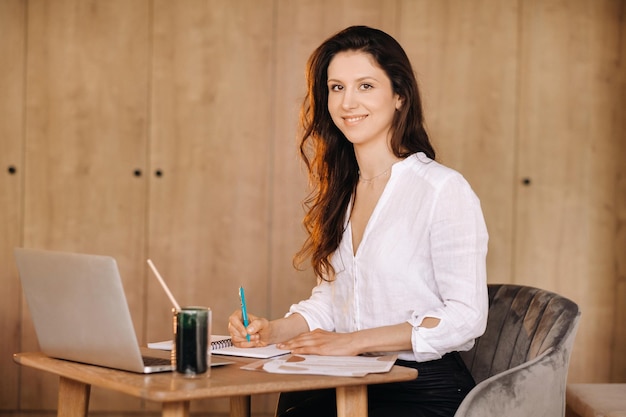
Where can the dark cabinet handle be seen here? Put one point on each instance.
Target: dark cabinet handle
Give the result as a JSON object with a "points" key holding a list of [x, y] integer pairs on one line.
{"points": [[138, 173]]}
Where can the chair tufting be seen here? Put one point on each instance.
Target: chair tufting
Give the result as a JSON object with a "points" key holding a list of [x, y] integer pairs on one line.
{"points": [[520, 363]]}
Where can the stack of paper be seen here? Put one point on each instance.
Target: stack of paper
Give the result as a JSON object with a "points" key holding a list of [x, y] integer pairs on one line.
{"points": [[325, 365]]}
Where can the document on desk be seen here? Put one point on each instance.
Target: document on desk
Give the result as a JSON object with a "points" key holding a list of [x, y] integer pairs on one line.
{"points": [[222, 345], [325, 365]]}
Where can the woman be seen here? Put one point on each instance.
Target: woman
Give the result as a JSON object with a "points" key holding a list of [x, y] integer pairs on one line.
{"points": [[398, 242]]}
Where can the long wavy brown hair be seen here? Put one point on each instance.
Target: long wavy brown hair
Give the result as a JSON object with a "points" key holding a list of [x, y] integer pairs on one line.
{"points": [[329, 156]]}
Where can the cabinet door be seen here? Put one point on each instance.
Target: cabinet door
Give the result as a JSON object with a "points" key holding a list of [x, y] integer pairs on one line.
{"points": [[86, 141], [300, 28], [12, 51], [211, 159], [571, 135], [465, 56]]}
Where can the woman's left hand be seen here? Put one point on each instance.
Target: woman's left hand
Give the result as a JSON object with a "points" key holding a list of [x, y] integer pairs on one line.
{"points": [[322, 342]]}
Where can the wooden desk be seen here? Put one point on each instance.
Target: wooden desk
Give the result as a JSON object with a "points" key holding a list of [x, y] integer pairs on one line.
{"points": [[175, 392]]}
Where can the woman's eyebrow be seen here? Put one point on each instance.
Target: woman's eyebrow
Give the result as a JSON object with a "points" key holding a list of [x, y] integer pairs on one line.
{"points": [[360, 79]]}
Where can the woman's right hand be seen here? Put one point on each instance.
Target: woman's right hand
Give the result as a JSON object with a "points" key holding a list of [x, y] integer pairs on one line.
{"points": [[258, 329]]}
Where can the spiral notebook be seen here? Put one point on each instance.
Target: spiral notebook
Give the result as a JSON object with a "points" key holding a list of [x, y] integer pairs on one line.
{"points": [[223, 345]]}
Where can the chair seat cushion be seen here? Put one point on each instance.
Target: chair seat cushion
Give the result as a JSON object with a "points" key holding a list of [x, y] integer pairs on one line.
{"points": [[596, 400]]}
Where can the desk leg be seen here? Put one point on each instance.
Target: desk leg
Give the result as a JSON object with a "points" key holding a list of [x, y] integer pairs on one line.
{"points": [[176, 409], [73, 398], [240, 406], [352, 401]]}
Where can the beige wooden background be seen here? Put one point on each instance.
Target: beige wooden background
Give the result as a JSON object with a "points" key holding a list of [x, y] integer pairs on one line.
{"points": [[162, 129]]}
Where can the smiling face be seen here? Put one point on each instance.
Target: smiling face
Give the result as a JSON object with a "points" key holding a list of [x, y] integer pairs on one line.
{"points": [[361, 100]]}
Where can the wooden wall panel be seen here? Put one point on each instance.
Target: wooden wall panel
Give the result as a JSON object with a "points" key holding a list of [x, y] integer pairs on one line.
{"points": [[86, 107], [568, 147], [618, 345], [617, 79], [465, 57], [208, 218], [12, 51], [300, 28], [211, 120]]}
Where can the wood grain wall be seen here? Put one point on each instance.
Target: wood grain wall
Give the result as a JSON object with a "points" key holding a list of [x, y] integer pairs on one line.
{"points": [[167, 130], [12, 67]]}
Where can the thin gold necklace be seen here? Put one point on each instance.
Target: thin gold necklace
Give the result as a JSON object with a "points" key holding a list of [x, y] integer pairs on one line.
{"points": [[375, 176]]}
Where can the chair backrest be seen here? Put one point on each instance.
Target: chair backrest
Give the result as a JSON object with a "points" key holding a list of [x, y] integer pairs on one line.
{"points": [[523, 323]]}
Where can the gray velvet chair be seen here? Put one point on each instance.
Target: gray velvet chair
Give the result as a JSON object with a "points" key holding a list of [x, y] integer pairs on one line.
{"points": [[520, 363]]}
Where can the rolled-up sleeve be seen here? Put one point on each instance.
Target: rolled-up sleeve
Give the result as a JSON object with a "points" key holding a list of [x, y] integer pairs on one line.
{"points": [[458, 239]]}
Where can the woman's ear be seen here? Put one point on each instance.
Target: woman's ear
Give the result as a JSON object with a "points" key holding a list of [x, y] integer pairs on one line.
{"points": [[399, 102]]}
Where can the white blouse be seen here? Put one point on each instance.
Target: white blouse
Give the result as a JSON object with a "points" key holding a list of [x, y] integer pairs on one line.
{"points": [[423, 254]]}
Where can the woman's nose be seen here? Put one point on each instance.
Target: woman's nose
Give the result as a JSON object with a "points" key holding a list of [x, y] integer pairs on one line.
{"points": [[349, 100]]}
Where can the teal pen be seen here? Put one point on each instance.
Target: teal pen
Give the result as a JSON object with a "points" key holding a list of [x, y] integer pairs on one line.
{"points": [[244, 311]]}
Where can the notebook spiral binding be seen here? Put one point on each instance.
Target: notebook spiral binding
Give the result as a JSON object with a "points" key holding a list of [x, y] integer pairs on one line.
{"points": [[220, 344]]}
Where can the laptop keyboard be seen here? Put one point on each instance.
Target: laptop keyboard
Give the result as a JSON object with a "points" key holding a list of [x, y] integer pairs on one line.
{"points": [[152, 361]]}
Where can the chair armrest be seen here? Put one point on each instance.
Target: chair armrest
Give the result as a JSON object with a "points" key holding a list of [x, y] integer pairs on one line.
{"points": [[535, 388]]}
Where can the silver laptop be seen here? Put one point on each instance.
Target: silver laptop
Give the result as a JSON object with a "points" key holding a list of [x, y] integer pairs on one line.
{"points": [[79, 310]]}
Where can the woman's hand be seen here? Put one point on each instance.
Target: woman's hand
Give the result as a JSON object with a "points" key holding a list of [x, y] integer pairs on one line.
{"points": [[380, 339], [322, 342], [258, 329]]}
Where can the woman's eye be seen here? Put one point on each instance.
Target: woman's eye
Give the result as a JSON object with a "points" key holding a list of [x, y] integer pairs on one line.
{"points": [[366, 86], [336, 87]]}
